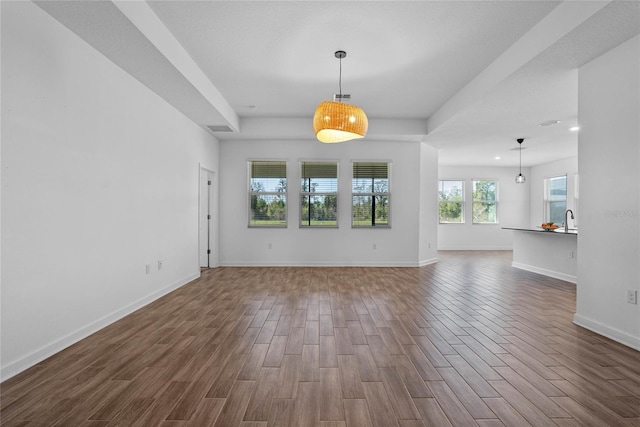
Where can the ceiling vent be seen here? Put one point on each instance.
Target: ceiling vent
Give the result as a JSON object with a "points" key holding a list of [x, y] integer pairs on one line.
{"points": [[219, 128], [519, 148], [549, 123]]}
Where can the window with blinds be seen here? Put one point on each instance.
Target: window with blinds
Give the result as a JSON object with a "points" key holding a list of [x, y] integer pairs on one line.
{"points": [[370, 192], [267, 193], [319, 194]]}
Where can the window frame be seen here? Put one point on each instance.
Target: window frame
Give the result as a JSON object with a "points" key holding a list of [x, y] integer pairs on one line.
{"points": [[253, 193], [546, 197], [462, 202], [495, 202], [372, 194], [310, 194]]}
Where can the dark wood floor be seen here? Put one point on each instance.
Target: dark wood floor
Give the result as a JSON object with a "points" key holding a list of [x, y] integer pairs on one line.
{"points": [[466, 341]]}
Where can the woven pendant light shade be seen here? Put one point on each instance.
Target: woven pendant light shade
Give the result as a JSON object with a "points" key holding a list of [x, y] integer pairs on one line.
{"points": [[339, 122]]}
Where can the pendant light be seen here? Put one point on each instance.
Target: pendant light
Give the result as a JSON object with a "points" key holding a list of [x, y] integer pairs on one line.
{"points": [[335, 121], [520, 178]]}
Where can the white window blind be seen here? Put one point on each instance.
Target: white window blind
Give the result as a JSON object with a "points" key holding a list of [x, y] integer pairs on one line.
{"points": [[319, 194], [267, 193], [370, 194]]}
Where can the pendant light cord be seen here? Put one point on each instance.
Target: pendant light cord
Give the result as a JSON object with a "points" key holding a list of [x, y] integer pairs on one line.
{"points": [[340, 80]]}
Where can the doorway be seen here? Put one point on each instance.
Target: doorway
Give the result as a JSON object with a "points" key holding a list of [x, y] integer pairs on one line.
{"points": [[206, 233]]}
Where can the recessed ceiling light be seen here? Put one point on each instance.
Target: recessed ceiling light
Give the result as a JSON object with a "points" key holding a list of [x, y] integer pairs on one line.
{"points": [[549, 123], [574, 129], [497, 157]]}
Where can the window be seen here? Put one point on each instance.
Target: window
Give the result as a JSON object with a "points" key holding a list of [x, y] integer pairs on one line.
{"points": [[319, 194], [485, 201], [370, 192], [267, 194], [451, 201], [555, 199]]}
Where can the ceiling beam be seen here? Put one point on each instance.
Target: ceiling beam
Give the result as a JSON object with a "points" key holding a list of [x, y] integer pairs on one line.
{"points": [[148, 23], [301, 128], [566, 17]]}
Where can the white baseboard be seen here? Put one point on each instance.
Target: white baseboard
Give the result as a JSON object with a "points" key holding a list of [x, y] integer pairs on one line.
{"points": [[427, 262], [607, 331], [545, 272], [475, 248], [318, 264], [60, 344]]}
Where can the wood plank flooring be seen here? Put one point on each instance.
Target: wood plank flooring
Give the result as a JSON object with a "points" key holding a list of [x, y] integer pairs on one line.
{"points": [[466, 341]]}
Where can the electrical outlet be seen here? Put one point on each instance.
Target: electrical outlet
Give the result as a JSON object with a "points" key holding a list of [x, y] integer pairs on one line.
{"points": [[159, 265], [571, 254], [375, 246], [269, 245], [148, 268], [632, 297]]}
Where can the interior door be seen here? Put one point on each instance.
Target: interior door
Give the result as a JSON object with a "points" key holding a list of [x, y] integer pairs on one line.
{"points": [[206, 234]]}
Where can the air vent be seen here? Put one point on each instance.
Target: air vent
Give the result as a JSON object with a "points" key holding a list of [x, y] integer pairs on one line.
{"points": [[549, 123], [517, 148], [219, 128]]}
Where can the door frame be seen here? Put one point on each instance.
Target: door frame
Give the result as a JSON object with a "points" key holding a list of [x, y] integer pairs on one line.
{"points": [[212, 235]]}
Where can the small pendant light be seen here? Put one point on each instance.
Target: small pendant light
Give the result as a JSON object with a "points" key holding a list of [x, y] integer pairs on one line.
{"points": [[520, 178]]}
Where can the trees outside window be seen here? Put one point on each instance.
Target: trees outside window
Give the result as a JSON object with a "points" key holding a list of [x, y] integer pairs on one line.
{"points": [[485, 201], [451, 201], [267, 194], [319, 194], [370, 194], [555, 199]]}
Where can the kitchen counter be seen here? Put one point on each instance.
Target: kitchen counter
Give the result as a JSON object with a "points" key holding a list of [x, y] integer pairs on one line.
{"points": [[551, 253], [559, 230]]}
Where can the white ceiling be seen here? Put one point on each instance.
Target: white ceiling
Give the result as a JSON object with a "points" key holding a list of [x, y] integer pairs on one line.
{"points": [[468, 77]]}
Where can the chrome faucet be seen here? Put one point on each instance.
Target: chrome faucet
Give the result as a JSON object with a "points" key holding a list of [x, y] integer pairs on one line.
{"points": [[566, 221]]}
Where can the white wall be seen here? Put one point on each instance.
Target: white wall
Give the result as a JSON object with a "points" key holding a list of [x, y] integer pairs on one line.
{"points": [[395, 246], [536, 177], [513, 209], [99, 178], [428, 246], [550, 253], [609, 205]]}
